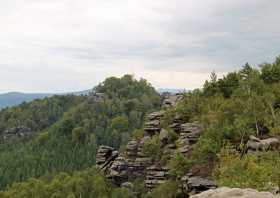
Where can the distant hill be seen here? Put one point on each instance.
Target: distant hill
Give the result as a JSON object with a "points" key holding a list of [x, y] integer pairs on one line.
{"points": [[16, 98], [170, 90]]}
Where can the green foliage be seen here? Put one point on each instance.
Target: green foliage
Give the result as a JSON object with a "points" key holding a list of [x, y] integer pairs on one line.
{"points": [[179, 165], [122, 193], [38, 114], [70, 142], [166, 190], [240, 104], [138, 134], [252, 171], [271, 72], [172, 136], [153, 148], [86, 184], [79, 135]]}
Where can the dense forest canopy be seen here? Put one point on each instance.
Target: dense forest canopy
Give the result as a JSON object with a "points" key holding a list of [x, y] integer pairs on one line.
{"points": [[39, 114], [69, 128], [231, 108]]}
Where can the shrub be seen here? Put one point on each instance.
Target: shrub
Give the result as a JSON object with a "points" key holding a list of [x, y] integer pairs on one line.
{"points": [[137, 134], [172, 136], [179, 165], [166, 190], [252, 171], [153, 148], [79, 135]]}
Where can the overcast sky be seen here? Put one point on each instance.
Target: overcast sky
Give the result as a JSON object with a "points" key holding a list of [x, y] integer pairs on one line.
{"points": [[68, 45]]}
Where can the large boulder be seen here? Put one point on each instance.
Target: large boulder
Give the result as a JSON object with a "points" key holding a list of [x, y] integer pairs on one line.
{"points": [[256, 144], [196, 184], [225, 192]]}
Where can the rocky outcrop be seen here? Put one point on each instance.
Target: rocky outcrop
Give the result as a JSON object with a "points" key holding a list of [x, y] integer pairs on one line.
{"points": [[20, 131], [97, 98], [105, 157], [152, 126], [163, 136], [130, 165], [256, 144], [170, 100], [133, 164], [225, 192], [155, 176], [195, 184], [189, 135]]}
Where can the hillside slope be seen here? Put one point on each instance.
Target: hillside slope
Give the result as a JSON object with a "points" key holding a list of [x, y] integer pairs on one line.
{"points": [[16, 98], [67, 140]]}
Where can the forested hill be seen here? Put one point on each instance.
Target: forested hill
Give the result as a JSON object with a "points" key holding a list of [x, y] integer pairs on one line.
{"points": [[16, 98], [225, 134], [62, 133]]}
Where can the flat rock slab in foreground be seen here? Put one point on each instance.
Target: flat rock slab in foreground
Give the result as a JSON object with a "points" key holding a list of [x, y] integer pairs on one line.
{"points": [[225, 192]]}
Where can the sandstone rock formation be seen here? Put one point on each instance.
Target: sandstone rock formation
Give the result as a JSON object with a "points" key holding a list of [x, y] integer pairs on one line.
{"points": [[170, 100], [105, 157], [194, 184], [225, 192], [133, 164], [155, 175], [189, 135], [97, 97], [152, 126]]}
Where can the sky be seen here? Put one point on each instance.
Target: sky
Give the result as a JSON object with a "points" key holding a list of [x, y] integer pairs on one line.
{"points": [[70, 45]]}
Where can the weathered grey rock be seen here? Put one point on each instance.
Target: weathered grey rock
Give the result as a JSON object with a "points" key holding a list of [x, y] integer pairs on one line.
{"points": [[155, 176], [20, 131], [118, 171], [143, 161], [163, 136], [152, 126], [170, 100], [103, 153], [97, 98], [256, 144], [189, 135], [176, 126], [132, 149], [196, 184], [127, 185], [225, 192], [156, 115], [191, 131]]}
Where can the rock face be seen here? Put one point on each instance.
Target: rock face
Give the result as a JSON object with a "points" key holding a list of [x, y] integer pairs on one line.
{"points": [[152, 126], [132, 164], [225, 192], [170, 100], [189, 135], [20, 131], [194, 184], [105, 157], [256, 144], [155, 175], [97, 97]]}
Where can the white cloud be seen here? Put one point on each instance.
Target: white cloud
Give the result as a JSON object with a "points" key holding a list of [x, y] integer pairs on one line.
{"points": [[61, 45]]}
